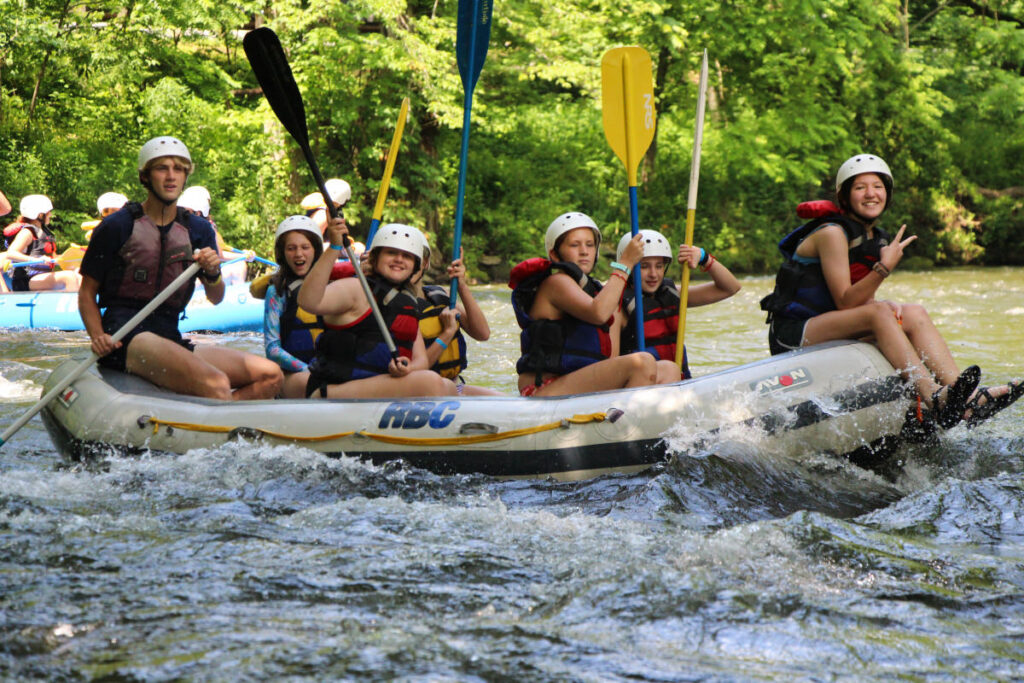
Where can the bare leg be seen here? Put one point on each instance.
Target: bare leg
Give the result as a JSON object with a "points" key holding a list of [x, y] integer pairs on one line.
{"points": [[668, 372], [633, 370], [174, 367], [876, 319], [934, 351], [251, 376], [295, 385], [416, 383], [67, 280], [474, 390]]}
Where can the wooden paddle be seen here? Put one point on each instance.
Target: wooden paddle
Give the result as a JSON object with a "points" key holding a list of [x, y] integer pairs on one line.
{"points": [[472, 38], [389, 166], [691, 203], [176, 284], [269, 63], [627, 110]]}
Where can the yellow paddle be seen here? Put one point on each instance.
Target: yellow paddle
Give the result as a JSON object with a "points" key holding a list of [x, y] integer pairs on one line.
{"points": [[691, 203], [389, 166], [627, 110], [69, 260]]}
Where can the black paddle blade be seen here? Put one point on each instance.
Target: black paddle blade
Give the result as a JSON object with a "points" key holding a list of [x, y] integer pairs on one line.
{"points": [[268, 61]]}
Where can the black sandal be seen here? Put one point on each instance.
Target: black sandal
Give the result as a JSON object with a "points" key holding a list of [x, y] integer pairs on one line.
{"points": [[950, 411], [992, 405]]}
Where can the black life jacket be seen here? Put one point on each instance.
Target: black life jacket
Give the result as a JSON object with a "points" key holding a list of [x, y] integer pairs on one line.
{"points": [[801, 291], [555, 346], [149, 260], [661, 323], [452, 360], [358, 350]]}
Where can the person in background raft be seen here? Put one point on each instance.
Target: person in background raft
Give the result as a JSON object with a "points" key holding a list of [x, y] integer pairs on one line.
{"points": [[289, 332], [30, 239], [661, 299], [315, 206], [106, 204], [826, 289], [196, 200], [442, 326], [5, 205], [137, 251], [352, 358], [570, 330]]}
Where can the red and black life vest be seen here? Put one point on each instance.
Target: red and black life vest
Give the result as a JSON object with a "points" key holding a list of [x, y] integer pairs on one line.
{"points": [[661, 323], [801, 291], [149, 260], [358, 350], [43, 245], [555, 346]]}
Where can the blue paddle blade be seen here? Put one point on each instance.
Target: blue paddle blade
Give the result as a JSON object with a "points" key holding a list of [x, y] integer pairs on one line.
{"points": [[472, 37]]}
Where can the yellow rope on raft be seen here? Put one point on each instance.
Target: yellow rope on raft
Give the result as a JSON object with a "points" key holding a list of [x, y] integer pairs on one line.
{"points": [[395, 440]]}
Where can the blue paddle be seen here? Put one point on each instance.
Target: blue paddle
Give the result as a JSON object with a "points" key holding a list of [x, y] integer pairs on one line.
{"points": [[473, 34]]}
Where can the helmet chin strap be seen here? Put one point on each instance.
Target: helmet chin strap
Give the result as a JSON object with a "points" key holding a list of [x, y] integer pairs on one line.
{"points": [[149, 186]]}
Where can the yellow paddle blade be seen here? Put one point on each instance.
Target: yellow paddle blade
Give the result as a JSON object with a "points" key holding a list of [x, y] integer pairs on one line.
{"points": [[90, 225], [627, 105], [71, 258], [389, 165]]}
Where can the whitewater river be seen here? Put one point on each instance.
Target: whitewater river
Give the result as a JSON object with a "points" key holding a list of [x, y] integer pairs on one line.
{"points": [[252, 562]]}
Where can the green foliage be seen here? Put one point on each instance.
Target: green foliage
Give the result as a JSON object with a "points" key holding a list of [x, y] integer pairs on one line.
{"points": [[795, 87]]}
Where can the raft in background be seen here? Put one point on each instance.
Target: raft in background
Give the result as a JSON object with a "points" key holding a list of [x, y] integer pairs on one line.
{"points": [[239, 311], [842, 398]]}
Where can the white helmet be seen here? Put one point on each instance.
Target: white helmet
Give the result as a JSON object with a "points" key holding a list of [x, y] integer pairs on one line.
{"points": [[34, 205], [565, 223], [655, 244], [163, 146], [339, 191], [299, 222], [402, 237], [862, 163], [196, 198], [110, 200]]}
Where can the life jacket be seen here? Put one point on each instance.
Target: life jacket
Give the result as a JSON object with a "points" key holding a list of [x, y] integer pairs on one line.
{"points": [[43, 245], [452, 360], [358, 350], [555, 346], [801, 291], [661, 323], [299, 328], [148, 261]]}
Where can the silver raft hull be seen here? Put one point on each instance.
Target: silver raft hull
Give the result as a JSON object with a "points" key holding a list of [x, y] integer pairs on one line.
{"points": [[842, 398]]}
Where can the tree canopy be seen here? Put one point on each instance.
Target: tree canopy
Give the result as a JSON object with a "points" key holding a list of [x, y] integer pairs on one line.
{"points": [[936, 88]]}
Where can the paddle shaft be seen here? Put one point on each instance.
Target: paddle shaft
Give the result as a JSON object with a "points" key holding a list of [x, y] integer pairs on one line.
{"points": [[691, 204], [632, 161], [270, 65], [160, 298], [389, 167], [471, 53]]}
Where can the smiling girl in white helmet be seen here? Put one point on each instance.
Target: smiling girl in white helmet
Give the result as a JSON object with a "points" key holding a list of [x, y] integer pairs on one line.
{"points": [[826, 290], [352, 359]]}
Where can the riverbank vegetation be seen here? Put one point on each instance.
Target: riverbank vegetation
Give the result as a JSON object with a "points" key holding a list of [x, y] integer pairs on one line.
{"points": [[936, 88]]}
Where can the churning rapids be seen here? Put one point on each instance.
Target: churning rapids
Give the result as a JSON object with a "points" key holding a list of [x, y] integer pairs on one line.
{"points": [[733, 563]]}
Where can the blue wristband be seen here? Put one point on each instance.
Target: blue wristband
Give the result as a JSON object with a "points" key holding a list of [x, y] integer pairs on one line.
{"points": [[441, 342], [338, 247], [619, 266], [703, 257]]}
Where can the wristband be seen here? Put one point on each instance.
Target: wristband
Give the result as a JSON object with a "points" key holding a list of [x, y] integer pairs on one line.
{"points": [[441, 342], [881, 269], [338, 247], [209, 279], [625, 278], [619, 266], [703, 257], [710, 262]]}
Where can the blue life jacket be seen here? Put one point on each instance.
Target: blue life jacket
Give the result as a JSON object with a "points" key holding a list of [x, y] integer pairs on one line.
{"points": [[555, 346]]}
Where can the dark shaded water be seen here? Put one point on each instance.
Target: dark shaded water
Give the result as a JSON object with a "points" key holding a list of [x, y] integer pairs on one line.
{"points": [[736, 563]]}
